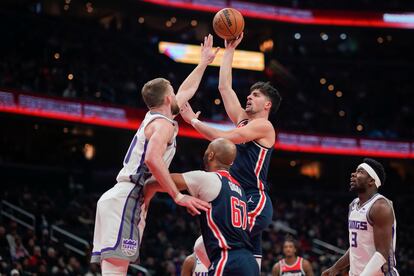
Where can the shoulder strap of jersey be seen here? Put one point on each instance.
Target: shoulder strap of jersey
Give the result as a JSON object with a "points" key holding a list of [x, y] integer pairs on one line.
{"points": [[156, 115]]}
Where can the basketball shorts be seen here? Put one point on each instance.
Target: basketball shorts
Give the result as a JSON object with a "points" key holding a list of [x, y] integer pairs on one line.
{"points": [[238, 262], [260, 210], [119, 223]]}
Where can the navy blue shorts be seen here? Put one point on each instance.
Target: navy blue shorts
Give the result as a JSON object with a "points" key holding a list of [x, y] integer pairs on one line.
{"points": [[260, 210], [239, 262]]}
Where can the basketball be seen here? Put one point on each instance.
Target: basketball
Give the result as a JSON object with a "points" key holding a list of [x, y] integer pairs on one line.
{"points": [[228, 23]]}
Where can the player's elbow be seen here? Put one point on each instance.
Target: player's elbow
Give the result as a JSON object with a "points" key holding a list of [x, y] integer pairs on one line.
{"points": [[223, 87]]}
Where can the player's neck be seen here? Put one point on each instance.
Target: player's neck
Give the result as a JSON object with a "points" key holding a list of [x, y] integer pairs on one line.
{"points": [[367, 195], [291, 260], [218, 167], [164, 110], [258, 115]]}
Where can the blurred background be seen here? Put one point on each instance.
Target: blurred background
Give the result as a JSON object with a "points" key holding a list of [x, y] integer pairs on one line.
{"points": [[70, 78]]}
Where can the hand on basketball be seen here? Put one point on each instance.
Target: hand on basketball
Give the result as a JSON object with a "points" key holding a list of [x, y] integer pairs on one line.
{"points": [[208, 53], [232, 44], [188, 114], [193, 204]]}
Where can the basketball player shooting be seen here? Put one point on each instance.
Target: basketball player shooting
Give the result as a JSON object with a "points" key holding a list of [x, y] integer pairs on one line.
{"points": [[371, 224], [121, 211], [254, 136]]}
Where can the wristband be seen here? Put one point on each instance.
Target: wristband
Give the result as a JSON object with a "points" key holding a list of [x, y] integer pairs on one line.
{"points": [[374, 265], [194, 121], [178, 197]]}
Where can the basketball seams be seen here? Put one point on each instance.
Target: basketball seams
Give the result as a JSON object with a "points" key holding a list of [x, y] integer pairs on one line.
{"points": [[235, 23], [225, 24]]}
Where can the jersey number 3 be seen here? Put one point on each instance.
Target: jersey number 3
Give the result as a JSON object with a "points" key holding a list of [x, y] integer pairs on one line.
{"points": [[354, 239], [238, 213]]}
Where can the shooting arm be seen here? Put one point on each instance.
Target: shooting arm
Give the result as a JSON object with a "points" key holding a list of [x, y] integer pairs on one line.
{"points": [[231, 103]]}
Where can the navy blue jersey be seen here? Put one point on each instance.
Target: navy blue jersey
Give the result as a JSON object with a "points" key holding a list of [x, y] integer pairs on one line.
{"points": [[225, 226], [251, 166]]}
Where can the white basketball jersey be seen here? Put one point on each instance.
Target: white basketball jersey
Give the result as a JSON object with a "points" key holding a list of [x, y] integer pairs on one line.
{"points": [[134, 169], [199, 268], [361, 238]]}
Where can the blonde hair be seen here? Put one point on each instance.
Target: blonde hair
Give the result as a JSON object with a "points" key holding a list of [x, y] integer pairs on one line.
{"points": [[154, 91]]}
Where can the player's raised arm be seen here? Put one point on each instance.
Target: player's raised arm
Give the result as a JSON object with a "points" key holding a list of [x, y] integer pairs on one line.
{"points": [[159, 134], [254, 130], [231, 103], [382, 217], [191, 83], [340, 265]]}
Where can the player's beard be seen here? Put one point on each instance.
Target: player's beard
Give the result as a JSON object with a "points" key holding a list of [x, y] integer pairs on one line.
{"points": [[175, 110]]}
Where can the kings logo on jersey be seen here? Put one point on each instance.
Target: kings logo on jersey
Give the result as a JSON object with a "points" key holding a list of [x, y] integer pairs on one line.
{"points": [[129, 247]]}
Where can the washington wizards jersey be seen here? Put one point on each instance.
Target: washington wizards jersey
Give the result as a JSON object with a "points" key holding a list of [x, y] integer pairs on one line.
{"points": [[225, 224], [295, 269], [134, 169], [251, 166]]}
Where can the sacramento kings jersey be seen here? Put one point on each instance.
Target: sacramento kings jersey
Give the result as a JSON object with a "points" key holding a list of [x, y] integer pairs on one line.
{"points": [[361, 238], [295, 269], [134, 169], [225, 224], [199, 268]]}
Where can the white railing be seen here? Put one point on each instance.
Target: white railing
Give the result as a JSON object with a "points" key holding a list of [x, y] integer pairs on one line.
{"points": [[57, 234], [328, 246], [17, 214]]}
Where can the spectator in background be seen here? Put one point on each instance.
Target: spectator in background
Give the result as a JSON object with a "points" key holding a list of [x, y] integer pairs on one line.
{"points": [[70, 91]]}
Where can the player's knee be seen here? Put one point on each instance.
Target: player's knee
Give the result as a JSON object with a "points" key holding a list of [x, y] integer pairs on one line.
{"points": [[114, 267]]}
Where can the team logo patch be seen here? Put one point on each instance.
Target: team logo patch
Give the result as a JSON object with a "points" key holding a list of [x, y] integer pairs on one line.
{"points": [[129, 247]]}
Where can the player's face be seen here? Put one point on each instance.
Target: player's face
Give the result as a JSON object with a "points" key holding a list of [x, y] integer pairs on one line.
{"points": [[174, 105], [359, 180], [289, 249], [256, 102]]}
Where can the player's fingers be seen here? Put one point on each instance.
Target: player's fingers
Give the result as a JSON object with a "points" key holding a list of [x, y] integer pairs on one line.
{"points": [[217, 49], [205, 40], [194, 210], [198, 114], [203, 204], [190, 212]]}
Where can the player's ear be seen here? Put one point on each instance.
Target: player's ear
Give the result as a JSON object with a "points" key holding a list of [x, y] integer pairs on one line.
{"points": [[211, 155], [268, 105]]}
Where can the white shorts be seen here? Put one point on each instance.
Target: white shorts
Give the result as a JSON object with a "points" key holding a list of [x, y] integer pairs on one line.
{"points": [[119, 223]]}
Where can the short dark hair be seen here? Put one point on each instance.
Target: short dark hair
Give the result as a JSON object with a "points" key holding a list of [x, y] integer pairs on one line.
{"points": [[377, 167], [269, 91], [290, 238], [153, 92]]}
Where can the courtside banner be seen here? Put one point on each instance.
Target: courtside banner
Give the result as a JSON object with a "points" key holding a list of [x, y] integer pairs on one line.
{"points": [[29, 104], [400, 20]]}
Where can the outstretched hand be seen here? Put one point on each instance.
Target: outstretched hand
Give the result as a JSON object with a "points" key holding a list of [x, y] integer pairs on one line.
{"points": [[208, 53], [232, 44], [193, 205], [188, 114]]}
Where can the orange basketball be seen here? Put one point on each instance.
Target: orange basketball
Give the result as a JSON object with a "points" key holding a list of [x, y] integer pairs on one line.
{"points": [[228, 23]]}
